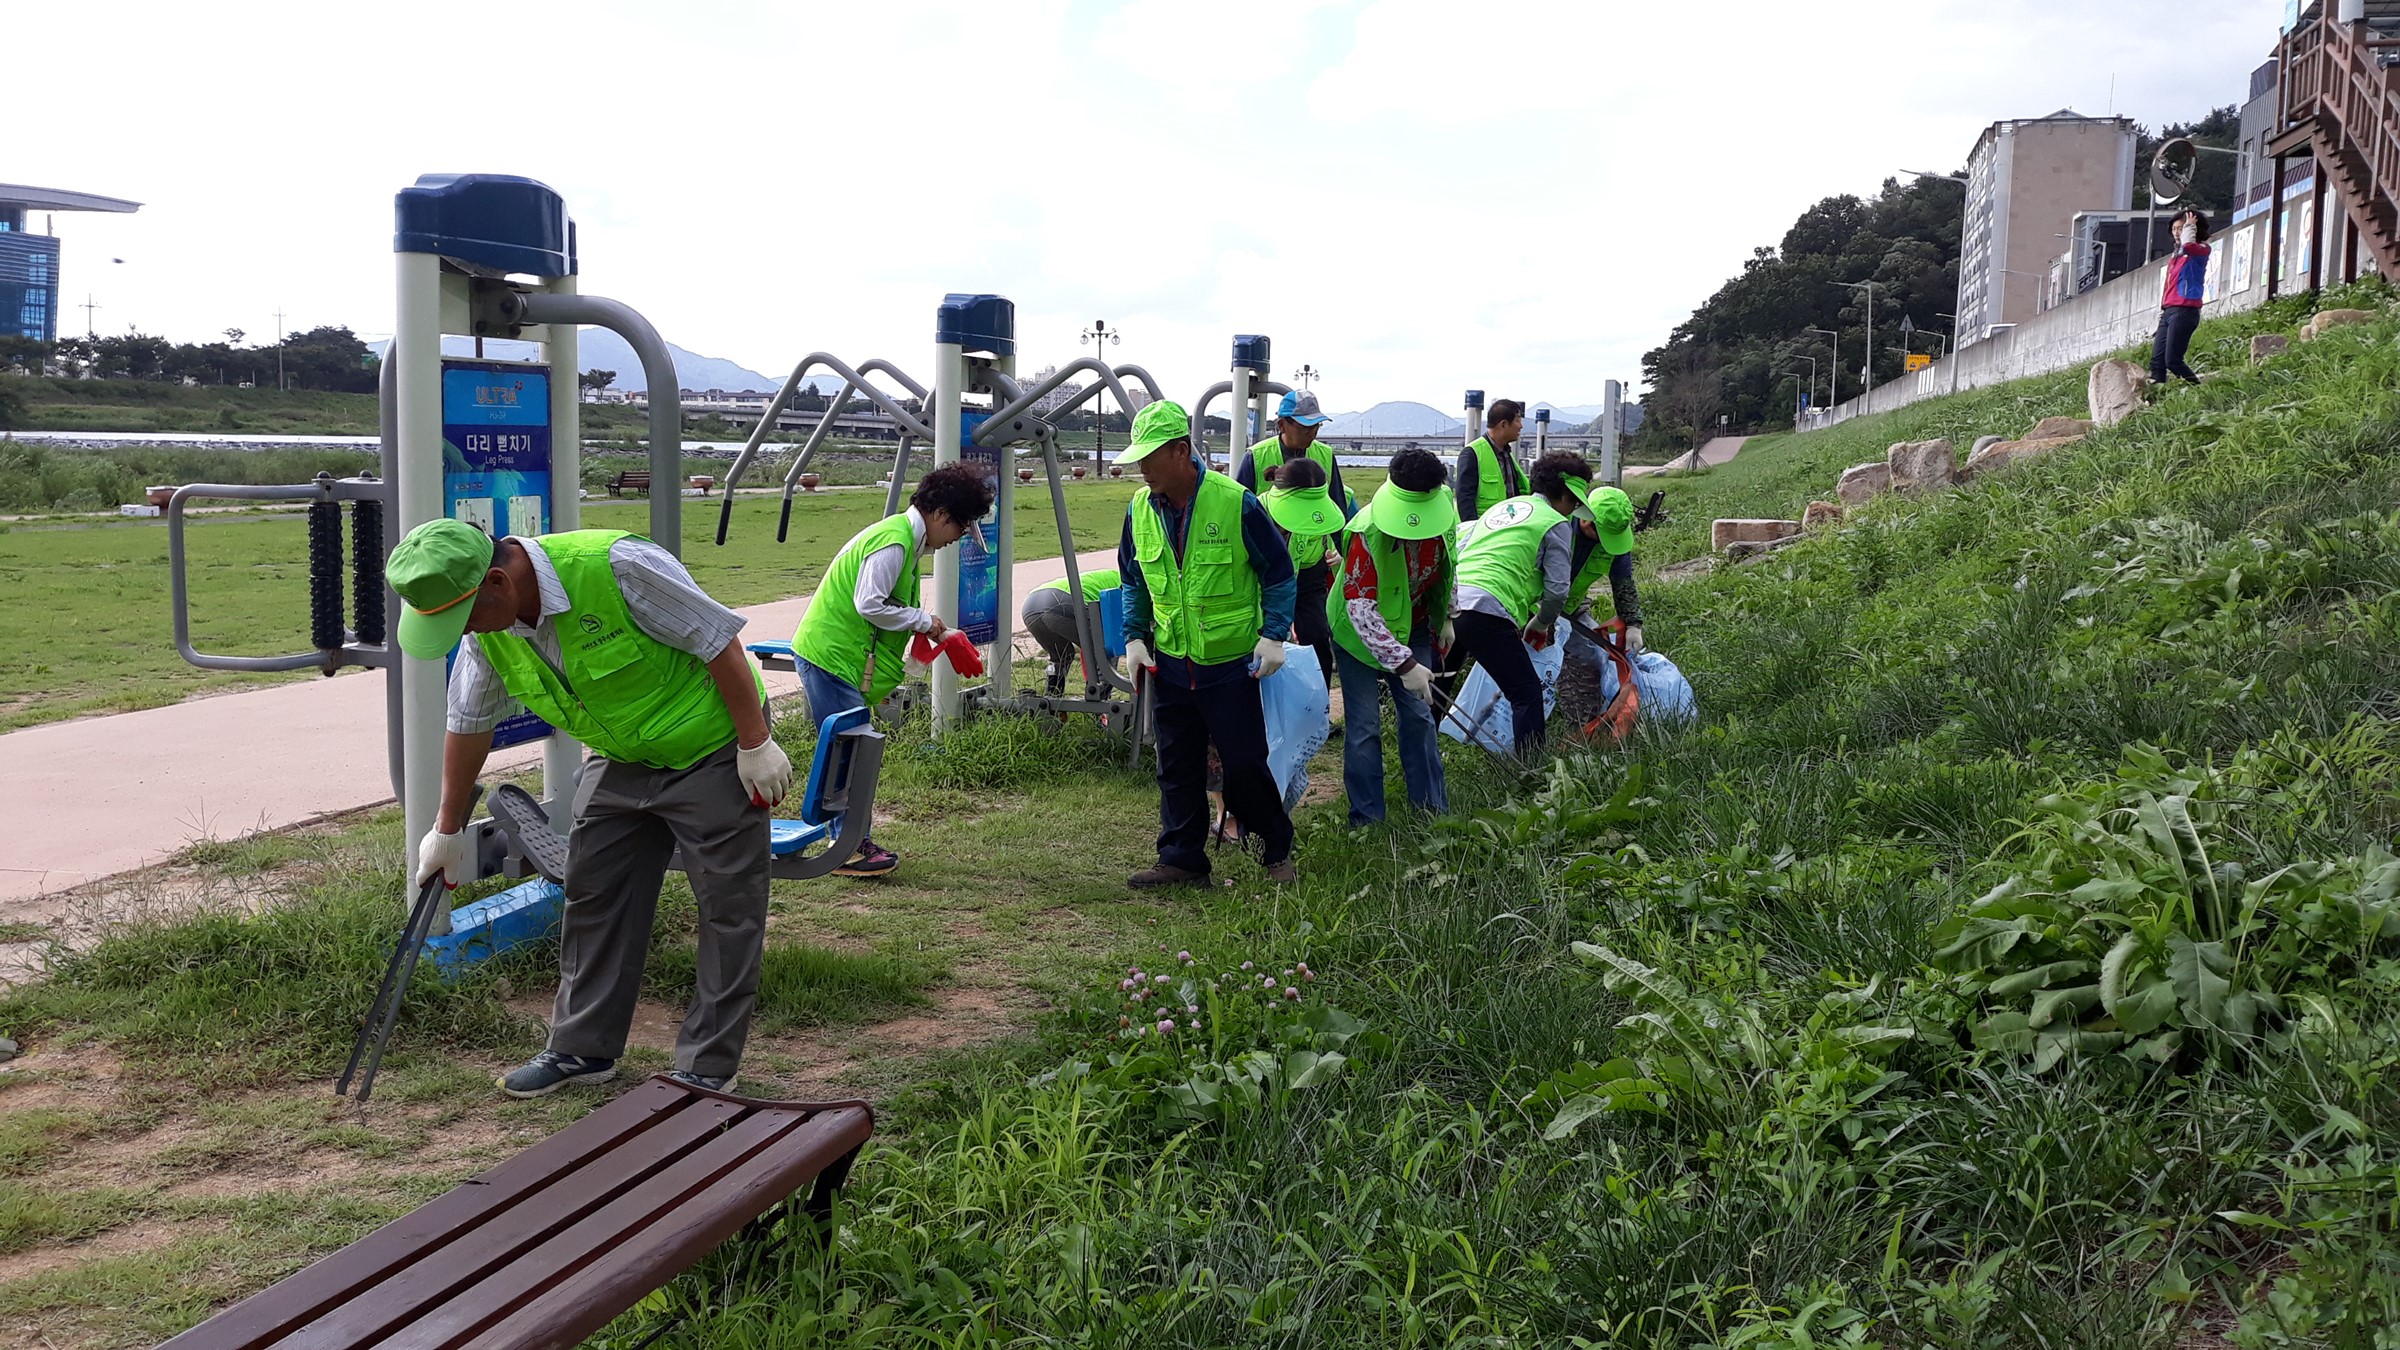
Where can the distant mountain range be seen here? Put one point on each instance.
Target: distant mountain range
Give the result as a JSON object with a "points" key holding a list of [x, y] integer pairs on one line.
{"points": [[600, 349]]}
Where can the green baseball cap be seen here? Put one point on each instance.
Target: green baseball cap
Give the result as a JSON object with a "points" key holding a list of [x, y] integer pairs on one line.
{"points": [[1155, 426], [1308, 510], [1403, 514], [1611, 513], [437, 570]]}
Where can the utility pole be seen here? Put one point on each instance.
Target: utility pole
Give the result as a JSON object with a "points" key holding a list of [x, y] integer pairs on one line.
{"points": [[1100, 335], [89, 306], [279, 349]]}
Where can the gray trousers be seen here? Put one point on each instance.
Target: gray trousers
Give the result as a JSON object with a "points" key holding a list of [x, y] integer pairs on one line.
{"points": [[1050, 618], [628, 821]]}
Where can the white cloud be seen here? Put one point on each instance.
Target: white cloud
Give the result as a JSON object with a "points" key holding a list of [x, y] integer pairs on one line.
{"points": [[1413, 196]]}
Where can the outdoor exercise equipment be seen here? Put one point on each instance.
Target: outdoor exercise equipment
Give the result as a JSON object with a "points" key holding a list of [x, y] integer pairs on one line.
{"points": [[1474, 417], [1251, 390], [975, 411], [1541, 432], [496, 443]]}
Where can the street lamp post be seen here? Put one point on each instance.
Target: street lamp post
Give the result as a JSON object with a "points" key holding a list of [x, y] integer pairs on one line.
{"points": [[1798, 400], [1307, 375], [1833, 366], [1812, 383], [1100, 336], [1869, 288]]}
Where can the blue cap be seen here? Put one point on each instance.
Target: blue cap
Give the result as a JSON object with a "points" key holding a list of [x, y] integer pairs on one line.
{"points": [[1301, 406]]}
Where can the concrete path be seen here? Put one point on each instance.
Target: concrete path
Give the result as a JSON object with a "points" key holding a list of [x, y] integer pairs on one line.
{"points": [[92, 798], [1709, 456]]}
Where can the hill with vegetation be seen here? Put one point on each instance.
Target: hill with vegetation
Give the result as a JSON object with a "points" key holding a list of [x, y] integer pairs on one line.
{"points": [[2006, 958]]}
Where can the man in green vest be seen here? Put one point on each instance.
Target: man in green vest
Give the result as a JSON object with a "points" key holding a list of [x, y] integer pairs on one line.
{"points": [[1393, 604], [1488, 473], [1513, 579], [1298, 422], [1208, 602], [1312, 521], [604, 635], [851, 648], [1052, 619]]}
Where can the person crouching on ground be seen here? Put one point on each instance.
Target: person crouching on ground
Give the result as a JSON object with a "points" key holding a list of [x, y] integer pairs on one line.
{"points": [[852, 644], [1052, 620], [2179, 304], [1513, 577], [1208, 601], [1393, 601], [1603, 547], [605, 636], [1313, 521]]}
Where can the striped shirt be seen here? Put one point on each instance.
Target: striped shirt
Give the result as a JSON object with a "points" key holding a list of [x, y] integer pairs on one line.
{"points": [[660, 597]]}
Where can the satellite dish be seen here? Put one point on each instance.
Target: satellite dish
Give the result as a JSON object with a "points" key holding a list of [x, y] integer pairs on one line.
{"points": [[2171, 170]]}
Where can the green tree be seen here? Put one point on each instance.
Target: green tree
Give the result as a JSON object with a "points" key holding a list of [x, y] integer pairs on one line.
{"points": [[594, 381]]}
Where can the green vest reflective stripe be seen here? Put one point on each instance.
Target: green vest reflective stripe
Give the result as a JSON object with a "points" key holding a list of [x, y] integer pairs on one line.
{"points": [[1491, 480], [1505, 556], [1391, 593], [1095, 580], [832, 636], [1268, 454], [627, 695], [1208, 606]]}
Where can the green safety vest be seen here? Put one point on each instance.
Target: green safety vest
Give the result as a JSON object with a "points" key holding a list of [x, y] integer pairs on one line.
{"points": [[1491, 481], [832, 636], [1268, 454], [1095, 580], [625, 694], [1207, 607], [1505, 556], [1391, 592], [1308, 550]]}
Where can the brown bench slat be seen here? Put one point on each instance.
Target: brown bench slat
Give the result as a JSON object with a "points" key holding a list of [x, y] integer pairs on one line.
{"points": [[273, 1312], [468, 1312], [436, 1275], [621, 1270]]}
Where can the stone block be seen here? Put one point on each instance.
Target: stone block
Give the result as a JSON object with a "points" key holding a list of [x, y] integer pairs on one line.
{"points": [[1863, 481], [2333, 318], [1751, 550], [1983, 443], [1820, 513], [1922, 466], [2115, 390], [2267, 345], [1689, 568], [1724, 534], [2010, 452], [2052, 428]]}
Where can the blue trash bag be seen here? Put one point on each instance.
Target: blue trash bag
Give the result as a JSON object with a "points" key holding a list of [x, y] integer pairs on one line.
{"points": [[1666, 696], [1480, 715], [1299, 718]]}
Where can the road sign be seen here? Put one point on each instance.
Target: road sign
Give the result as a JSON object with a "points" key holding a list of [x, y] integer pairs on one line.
{"points": [[1918, 360]]}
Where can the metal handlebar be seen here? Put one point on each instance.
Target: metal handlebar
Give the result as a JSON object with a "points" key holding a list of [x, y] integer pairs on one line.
{"points": [[325, 490]]}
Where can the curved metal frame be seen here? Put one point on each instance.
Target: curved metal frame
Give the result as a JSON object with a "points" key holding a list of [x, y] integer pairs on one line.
{"points": [[854, 382]]}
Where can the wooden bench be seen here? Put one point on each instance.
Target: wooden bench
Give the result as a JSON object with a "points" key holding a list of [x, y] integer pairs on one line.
{"points": [[632, 480], [548, 1247]]}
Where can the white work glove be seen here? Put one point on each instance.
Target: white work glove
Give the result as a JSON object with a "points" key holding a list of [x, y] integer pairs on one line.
{"points": [[766, 771], [1449, 636], [1269, 655], [1418, 680], [1633, 639], [1138, 652], [452, 855]]}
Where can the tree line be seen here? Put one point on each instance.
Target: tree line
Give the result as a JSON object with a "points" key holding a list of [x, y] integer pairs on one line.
{"points": [[330, 358]]}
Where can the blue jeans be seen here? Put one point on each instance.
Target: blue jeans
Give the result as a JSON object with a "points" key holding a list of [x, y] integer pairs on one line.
{"points": [[1362, 736]]}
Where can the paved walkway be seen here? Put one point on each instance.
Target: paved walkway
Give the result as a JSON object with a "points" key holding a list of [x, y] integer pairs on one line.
{"points": [[92, 798], [1709, 456]]}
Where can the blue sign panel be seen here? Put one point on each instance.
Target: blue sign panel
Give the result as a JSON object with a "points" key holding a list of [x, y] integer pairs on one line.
{"points": [[496, 466], [979, 559]]}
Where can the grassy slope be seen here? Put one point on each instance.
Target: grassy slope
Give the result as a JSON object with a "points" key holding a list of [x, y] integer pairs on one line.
{"points": [[1898, 715], [88, 602]]}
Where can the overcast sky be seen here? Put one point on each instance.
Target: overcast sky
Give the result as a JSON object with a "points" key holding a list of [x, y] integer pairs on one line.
{"points": [[1415, 196]]}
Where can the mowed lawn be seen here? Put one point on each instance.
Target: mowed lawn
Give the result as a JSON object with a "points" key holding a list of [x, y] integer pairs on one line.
{"points": [[90, 630]]}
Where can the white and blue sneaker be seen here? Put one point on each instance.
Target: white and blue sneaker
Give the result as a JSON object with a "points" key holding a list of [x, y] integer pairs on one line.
{"points": [[549, 1071], [703, 1081]]}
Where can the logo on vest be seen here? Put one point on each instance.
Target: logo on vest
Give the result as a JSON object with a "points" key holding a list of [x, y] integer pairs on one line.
{"points": [[1514, 511], [1213, 531], [591, 623]]}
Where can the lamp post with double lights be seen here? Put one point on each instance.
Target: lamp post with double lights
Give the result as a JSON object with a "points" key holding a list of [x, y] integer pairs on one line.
{"points": [[1833, 366], [1307, 376], [1100, 336]]}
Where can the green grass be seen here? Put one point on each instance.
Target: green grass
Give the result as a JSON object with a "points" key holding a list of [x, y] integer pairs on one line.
{"points": [[91, 630]]}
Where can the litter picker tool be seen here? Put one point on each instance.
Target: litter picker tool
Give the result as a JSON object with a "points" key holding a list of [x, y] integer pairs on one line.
{"points": [[376, 1032]]}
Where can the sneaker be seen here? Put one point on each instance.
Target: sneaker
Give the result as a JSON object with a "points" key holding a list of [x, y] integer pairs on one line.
{"points": [[703, 1081], [1282, 873], [549, 1071], [1159, 874], [872, 860]]}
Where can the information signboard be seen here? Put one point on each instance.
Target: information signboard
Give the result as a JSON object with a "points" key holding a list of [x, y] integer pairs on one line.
{"points": [[979, 560], [496, 466]]}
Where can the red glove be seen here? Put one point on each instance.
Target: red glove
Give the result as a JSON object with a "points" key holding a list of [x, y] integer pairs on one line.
{"points": [[1536, 638], [964, 658]]}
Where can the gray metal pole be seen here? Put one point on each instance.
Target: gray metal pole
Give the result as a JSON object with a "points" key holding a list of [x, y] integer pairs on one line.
{"points": [[666, 415]]}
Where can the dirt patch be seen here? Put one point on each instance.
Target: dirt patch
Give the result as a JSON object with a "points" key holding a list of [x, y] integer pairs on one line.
{"points": [[132, 1240]]}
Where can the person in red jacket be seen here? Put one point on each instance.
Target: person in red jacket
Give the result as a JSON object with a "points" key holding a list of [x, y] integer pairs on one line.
{"points": [[2179, 305]]}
